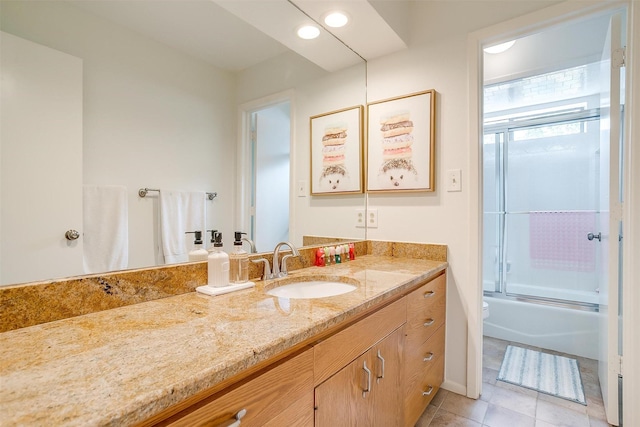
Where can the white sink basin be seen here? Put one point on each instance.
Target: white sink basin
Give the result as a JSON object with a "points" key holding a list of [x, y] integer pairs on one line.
{"points": [[311, 289]]}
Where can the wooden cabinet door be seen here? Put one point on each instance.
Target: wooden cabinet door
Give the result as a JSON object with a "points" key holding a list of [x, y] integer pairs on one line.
{"points": [[388, 396], [346, 398], [367, 392]]}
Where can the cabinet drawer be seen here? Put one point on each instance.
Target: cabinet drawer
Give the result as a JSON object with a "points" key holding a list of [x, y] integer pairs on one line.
{"points": [[420, 359], [340, 349], [426, 310], [423, 378], [264, 397]]}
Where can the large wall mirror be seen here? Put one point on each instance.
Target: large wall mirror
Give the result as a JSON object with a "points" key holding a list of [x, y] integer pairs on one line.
{"points": [[154, 94]]}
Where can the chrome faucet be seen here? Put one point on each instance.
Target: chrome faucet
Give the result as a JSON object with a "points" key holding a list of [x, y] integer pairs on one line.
{"points": [[251, 244], [279, 271]]}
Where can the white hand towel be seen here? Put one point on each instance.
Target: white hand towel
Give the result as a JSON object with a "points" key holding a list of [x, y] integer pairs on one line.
{"points": [[106, 228], [180, 211]]}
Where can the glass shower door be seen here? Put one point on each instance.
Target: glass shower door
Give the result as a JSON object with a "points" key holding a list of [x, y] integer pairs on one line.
{"points": [[540, 203], [551, 205]]}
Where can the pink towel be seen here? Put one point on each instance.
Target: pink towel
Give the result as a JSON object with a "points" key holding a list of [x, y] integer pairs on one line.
{"points": [[558, 241]]}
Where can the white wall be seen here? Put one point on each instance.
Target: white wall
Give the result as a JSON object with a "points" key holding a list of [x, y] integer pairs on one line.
{"points": [[437, 59], [153, 117]]}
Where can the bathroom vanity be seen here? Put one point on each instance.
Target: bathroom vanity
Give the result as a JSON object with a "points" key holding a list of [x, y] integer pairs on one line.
{"points": [[376, 353]]}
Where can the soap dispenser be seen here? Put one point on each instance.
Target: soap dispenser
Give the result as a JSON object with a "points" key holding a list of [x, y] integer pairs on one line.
{"points": [[238, 261], [218, 264], [198, 253]]}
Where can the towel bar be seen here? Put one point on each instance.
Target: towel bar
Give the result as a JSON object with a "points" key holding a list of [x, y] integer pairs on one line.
{"points": [[143, 192]]}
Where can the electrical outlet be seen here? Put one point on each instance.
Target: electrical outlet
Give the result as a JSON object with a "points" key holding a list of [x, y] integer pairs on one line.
{"points": [[302, 188], [372, 218], [454, 180], [360, 220]]}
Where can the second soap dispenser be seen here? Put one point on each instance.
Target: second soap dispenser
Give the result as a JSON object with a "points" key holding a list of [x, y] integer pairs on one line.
{"points": [[198, 253], [218, 264], [238, 261]]}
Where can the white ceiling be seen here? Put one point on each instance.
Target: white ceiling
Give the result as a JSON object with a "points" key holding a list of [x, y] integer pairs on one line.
{"points": [[238, 34]]}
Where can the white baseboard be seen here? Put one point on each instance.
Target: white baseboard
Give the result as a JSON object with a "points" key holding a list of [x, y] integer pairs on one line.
{"points": [[454, 387]]}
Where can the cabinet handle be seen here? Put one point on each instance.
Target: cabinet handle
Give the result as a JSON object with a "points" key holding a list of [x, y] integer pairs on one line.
{"points": [[428, 392], [429, 357], [429, 294], [429, 322], [235, 421], [368, 372], [381, 376]]}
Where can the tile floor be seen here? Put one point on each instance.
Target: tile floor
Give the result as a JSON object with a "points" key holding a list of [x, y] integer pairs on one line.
{"points": [[506, 405]]}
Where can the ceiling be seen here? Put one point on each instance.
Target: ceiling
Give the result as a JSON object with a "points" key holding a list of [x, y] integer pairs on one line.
{"points": [[237, 34]]}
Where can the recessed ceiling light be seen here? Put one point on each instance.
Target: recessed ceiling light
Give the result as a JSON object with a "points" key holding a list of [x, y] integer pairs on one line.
{"points": [[499, 48], [336, 19], [308, 32]]}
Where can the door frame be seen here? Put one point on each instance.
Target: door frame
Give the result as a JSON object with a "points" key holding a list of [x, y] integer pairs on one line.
{"points": [[519, 27], [243, 200]]}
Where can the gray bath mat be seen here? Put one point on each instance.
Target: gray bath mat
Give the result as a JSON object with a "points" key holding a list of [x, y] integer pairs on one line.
{"points": [[547, 373]]}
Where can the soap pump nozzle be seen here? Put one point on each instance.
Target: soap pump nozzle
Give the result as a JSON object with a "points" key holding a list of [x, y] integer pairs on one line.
{"points": [[238, 238], [198, 240], [213, 232], [217, 239]]}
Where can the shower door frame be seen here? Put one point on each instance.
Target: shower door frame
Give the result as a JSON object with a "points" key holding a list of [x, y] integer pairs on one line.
{"points": [[506, 130]]}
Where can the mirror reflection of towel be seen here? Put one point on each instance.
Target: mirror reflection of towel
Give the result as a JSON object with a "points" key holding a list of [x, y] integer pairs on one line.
{"points": [[180, 211], [106, 228]]}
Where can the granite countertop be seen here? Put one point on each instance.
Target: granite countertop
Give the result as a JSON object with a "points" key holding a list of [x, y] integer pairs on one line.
{"points": [[122, 366]]}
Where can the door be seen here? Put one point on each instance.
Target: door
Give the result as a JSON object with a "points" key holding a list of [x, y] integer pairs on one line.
{"points": [[346, 398], [271, 156], [610, 220], [388, 398], [368, 391], [41, 155]]}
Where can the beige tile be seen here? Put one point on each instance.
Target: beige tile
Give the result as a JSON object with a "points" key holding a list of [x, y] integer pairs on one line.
{"points": [[519, 402], [497, 416], [427, 416], [589, 366], [590, 379], [439, 398], [595, 409], [540, 423], [492, 361], [578, 407], [493, 347], [598, 423], [592, 390], [465, 407], [489, 375], [487, 391], [560, 415], [447, 419]]}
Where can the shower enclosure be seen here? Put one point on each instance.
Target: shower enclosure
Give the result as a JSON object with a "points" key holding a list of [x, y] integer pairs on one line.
{"points": [[541, 196]]}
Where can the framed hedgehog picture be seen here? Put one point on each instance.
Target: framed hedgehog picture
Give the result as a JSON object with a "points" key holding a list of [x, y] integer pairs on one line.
{"points": [[336, 152], [401, 143]]}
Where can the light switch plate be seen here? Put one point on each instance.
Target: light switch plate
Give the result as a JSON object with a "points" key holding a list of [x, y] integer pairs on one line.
{"points": [[454, 180], [302, 188]]}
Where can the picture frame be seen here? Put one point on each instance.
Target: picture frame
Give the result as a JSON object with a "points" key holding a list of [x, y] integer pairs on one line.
{"points": [[336, 147], [400, 151]]}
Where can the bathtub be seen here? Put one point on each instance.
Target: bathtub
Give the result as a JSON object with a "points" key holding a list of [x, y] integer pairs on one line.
{"points": [[556, 328]]}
